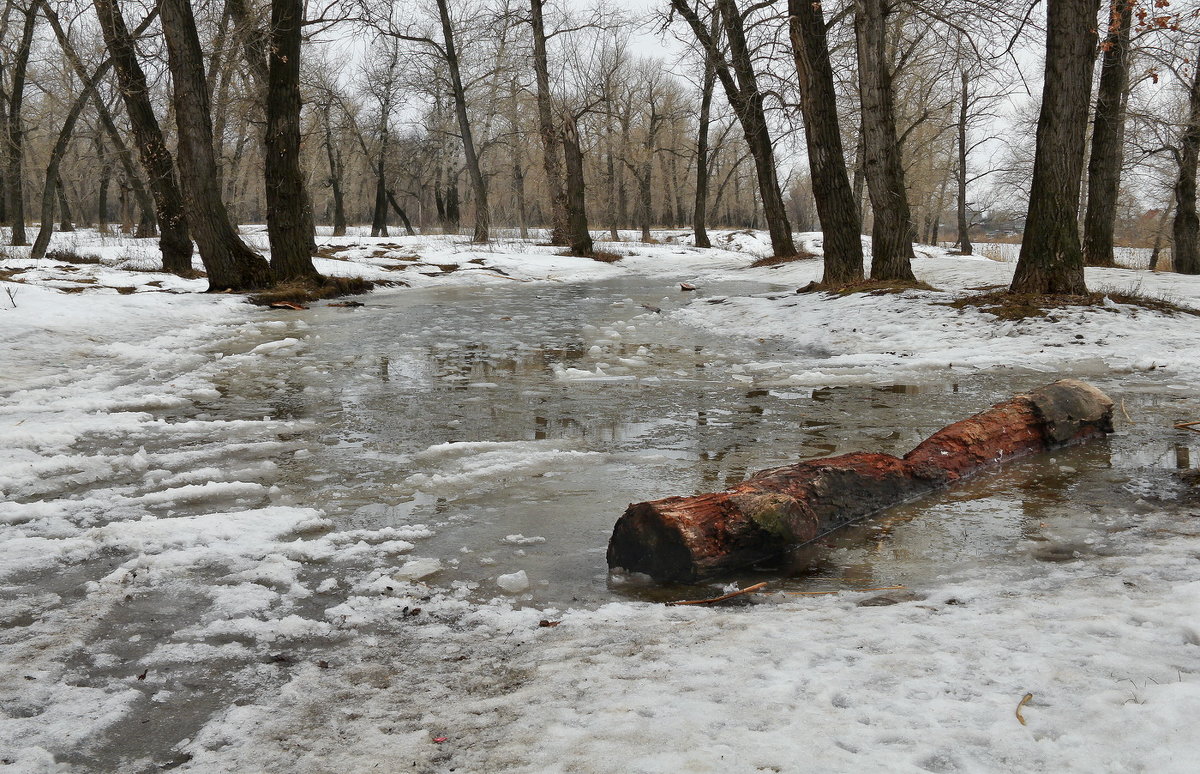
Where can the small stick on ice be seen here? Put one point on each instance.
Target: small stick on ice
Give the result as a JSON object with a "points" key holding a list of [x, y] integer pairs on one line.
{"points": [[722, 598], [1188, 426], [1126, 413], [1024, 700]]}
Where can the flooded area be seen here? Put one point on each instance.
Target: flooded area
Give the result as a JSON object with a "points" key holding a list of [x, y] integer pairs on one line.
{"points": [[516, 426], [489, 431]]}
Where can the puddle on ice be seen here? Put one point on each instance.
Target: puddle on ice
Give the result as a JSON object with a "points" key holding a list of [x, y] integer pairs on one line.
{"points": [[517, 426]]}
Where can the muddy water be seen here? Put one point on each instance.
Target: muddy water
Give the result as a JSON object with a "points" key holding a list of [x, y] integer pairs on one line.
{"points": [[518, 424]]}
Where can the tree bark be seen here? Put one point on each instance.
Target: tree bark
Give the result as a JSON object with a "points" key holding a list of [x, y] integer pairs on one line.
{"points": [[834, 198], [689, 538], [1051, 258], [289, 218], [65, 220], [964, 222], [478, 183], [551, 162], [335, 174], [1108, 139], [141, 196], [408, 229], [175, 241], [230, 264], [15, 193], [577, 225], [700, 208], [892, 227], [1185, 251], [740, 83]]}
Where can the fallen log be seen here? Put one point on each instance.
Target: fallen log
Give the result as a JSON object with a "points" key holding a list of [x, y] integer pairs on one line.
{"points": [[689, 538]]}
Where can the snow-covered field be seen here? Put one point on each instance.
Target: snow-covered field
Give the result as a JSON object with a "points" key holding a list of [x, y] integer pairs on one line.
{"points": [[171, 597]]}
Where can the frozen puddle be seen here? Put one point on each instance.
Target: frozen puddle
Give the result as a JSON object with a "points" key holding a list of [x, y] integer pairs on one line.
{"points": [[345, 471]]}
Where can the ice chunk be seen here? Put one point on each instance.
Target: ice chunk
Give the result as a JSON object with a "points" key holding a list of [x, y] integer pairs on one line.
{"points": [[521, 540], [415, 569], [514, 583]]}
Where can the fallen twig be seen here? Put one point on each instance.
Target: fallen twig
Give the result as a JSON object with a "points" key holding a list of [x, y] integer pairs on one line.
{"points": [[1024, 700], [1126, 413], [1188, 426], [722, 598]]}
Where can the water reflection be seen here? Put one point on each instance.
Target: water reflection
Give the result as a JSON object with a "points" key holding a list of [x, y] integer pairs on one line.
{"points": [[659, 411]]}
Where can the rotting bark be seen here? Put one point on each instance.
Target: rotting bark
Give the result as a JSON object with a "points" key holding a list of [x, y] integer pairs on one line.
{"points": [[688, 538]]}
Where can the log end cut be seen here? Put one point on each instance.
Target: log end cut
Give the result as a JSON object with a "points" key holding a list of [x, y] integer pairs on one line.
{"points": [[643, 541]]}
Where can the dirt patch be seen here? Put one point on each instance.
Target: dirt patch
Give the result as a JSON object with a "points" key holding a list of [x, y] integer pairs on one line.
{"points": [[306, 290], [603, 256], [782, 260], [869, 287], [1018, 306]]}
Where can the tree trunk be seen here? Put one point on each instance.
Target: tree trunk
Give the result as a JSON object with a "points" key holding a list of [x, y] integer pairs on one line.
{"points": [[408, 229], [478, 184], [66, 222], [964, 222], [577, 225], [15, 194], [335, 175], [746, 99], [289, 218], [175, 241], [1051, 258], [749, 109], [230, 264], [1185, 252], [834, 198], [891, 226], [689, 538], [518, 171], [550, 153], [1108, 139], [700, 208], [51, 187], [141, 196]]}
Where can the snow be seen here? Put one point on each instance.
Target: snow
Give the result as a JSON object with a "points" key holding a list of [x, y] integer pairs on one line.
{"points": [[335, 645]]}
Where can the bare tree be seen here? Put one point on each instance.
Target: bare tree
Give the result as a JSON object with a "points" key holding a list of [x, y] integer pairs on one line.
{"points": [[230, 264], [840, 224], [1051, 259], [1108, 129]]}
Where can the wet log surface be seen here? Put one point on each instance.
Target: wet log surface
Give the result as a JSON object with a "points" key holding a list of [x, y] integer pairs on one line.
{"points": [[689, 538]]}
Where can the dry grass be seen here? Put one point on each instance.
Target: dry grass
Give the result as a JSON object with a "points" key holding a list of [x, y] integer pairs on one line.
{"points": [[70, 255], [307, 290], [603, 256], [781, 260], [1006, 305], [870, 287]]}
